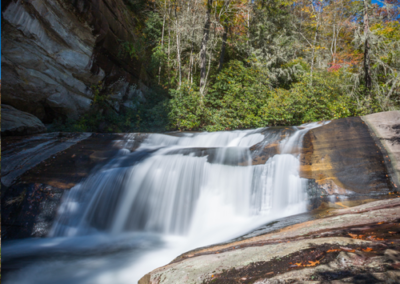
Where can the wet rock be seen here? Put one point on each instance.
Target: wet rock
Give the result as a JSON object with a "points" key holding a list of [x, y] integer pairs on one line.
{"points": [[38, 169], [270, 146], [28, 210], [333, 155], [266, 153], [232, 156], [16, 122], [20, 155]]}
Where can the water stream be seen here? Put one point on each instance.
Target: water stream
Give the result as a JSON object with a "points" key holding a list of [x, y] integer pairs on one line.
{"points": [[171, 195]]}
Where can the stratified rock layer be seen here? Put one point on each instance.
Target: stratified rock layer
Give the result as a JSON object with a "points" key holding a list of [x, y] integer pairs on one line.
{"points": [[15, 122], [53, 52]]}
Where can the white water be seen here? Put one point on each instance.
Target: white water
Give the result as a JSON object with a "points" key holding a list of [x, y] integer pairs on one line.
{"points": [[173, 194]]}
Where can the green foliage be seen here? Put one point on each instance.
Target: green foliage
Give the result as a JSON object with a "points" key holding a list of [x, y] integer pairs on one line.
{"points": [[267, 58], [133, 50], [152, 29], [236, 97], [187, 110], [136, 5], [151, 115], [324, 100], [242, 98]]}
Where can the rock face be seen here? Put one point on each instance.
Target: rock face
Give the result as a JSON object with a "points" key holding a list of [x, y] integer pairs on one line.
{"points": [[15, 122], [347, 156], [386, 128], [350, 242], [333, 155], [36, 171], [53, 52]]}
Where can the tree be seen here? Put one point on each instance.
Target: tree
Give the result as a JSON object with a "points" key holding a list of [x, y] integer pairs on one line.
{"points": [[203, 52]]}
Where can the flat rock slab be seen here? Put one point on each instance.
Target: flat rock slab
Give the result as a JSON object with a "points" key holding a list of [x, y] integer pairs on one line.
{"points": [[16, 122], [21, 154], [336, 245]]}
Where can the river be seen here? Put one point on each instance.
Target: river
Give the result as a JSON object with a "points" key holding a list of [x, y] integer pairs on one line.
{"points": [[175, 193]]}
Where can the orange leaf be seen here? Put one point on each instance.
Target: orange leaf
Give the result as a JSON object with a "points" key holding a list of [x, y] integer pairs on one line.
{"points": [[367, 249], [312, 263], [333, 250]]}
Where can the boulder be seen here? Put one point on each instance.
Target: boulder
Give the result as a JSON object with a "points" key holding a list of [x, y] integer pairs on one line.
{"points": [[386, 128], [334, 154], [16, 122]]}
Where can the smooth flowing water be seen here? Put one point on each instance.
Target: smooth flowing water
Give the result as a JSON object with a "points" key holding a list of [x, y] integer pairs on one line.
{"points": [[173, 194]]}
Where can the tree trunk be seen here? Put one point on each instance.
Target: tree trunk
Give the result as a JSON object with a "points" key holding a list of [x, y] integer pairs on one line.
{"points": [[191, 61], [169, 40], [178, 52], [224, 38], [162, 45], [248, 26], [169, 50], [367, 70], [313, 54], [203, 50], [314, 44]]}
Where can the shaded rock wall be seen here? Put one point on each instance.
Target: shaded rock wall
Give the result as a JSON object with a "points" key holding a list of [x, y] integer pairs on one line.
{"points": [[53, 51], [342, 157], [16, 122]]}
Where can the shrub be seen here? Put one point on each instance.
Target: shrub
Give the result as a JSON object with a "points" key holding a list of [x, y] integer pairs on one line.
{"points": [[325, 99], [237, 95]]}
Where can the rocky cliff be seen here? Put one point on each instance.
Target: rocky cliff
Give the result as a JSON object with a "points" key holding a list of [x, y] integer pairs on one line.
{"points": [[54, 51]]}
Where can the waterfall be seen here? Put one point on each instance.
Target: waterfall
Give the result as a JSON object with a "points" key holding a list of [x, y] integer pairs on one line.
{"points": [[163, 184], [179, 190]]}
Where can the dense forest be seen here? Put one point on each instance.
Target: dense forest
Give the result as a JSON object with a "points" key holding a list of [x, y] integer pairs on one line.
{"points": [[233, 64]]}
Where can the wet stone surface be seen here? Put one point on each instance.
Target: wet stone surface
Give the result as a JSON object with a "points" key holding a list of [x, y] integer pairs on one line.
{"points": [[29, 210], [45, 166], [343, 158]]}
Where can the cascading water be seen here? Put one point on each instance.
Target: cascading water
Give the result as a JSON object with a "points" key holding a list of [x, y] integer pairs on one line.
{"points": [[173, 194]]}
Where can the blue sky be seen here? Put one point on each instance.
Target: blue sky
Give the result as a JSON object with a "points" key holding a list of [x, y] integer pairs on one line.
{"points": [[377, 2]]}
